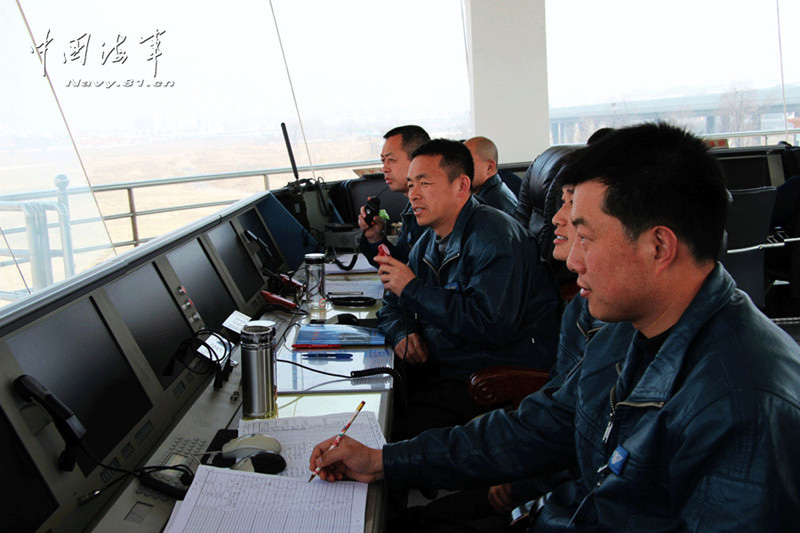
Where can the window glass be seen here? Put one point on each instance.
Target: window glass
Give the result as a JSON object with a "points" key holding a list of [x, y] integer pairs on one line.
{"points": [[362, 67], [154, 91], [714, 66], [37, 160]]}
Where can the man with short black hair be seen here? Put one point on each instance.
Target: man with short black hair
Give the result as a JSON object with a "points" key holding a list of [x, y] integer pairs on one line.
{"points": [[473, 295], [682, 414], [395, 159]]}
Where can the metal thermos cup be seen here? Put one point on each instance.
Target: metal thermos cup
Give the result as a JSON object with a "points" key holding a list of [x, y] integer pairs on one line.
{"points": [[315, 281], [259, 389]]}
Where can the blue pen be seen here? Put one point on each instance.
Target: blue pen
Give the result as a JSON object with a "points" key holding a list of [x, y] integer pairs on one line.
{"points": [[329, 355]]}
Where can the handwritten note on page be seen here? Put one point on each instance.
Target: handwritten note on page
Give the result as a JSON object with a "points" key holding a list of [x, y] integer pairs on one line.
{"points": [[233, 501]]}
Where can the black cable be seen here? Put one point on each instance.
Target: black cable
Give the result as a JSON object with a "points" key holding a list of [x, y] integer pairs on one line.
{"points": [[225, 343], [366, 372], [138, 473], [400, 383], [332, 251], [341, 265], [326, 210], [180, 354], [266, 308], [402, 363], [312, 369], [220, 364]]}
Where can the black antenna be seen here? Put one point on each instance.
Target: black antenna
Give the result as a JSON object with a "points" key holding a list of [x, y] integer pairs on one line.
{"points": [[289, 149]]}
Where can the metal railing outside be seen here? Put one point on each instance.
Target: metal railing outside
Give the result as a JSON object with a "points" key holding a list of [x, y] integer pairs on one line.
{"points": [[762, 135], [34, 204]]}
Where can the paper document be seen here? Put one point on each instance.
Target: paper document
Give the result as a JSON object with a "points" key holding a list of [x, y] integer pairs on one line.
{"points": [[232, 501], [300, 434]]}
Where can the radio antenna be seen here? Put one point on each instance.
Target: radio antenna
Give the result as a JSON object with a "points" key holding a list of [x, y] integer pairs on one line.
{"points": [[289, 149]]}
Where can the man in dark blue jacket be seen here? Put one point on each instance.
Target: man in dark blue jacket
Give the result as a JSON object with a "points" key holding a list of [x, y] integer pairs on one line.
{"points": [[474, 293], [395, 158], [486, 184], [682, 415]]}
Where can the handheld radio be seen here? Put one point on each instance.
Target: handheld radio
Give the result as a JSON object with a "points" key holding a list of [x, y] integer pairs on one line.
{"points": [[371, 209]]}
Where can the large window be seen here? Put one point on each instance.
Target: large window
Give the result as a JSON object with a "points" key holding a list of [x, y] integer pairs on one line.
{"points": [[149, 91], [717, 66]]}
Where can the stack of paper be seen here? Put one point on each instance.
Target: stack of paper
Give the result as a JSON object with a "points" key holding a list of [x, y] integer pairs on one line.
{"points": [[232, 501]]}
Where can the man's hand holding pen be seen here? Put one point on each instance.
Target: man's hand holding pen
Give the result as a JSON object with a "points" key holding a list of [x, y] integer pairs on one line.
{"points": [[350, 459]]}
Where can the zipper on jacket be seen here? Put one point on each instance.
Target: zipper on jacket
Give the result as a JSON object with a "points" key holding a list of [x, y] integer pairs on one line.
{"points": [[610, 426], [438, 271], [587, 333], [614, 404]]}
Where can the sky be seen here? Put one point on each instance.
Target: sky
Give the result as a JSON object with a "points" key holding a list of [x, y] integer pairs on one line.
{"points": [[611, 50], [360, 61]]}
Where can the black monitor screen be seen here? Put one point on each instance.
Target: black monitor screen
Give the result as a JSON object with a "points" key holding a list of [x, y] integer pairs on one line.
{"points": [[26, 501], [270, 258], [745, 172], [73, 354], [202, 283], [292, 238], [237, 260], [152, 316]]}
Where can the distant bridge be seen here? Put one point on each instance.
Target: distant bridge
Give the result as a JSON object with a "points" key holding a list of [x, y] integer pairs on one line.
{"points": [[709, 112]]}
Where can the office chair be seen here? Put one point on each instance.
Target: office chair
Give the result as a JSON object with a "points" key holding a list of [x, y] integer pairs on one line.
{"points": [[506, 386], [747, 227], [535, 184]]}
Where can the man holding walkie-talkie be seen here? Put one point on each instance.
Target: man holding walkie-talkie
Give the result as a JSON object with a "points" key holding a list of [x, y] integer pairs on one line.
{"points": [[395, 158]]}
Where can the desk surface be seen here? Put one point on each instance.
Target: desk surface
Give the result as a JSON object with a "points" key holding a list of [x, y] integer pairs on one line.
{"points": [[137, 509]]}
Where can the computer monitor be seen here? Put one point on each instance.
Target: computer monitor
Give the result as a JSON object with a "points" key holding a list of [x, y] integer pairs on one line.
{"points": [[153, 317], [27, 501], [73, 354], [745, 171], [751, 166], [271, 258], [237, 261], [290, 236], [202, 283]]}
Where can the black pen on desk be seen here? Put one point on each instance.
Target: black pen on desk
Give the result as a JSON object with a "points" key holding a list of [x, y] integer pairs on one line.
{"points": [[346, 293], [338, 438]]}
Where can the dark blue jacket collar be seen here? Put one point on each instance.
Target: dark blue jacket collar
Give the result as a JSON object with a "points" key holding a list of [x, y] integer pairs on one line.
{"points": [[490, 184], [658, 381], [454, 243]]}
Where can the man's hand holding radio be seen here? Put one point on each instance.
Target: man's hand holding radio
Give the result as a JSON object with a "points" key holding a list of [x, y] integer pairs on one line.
{"points": [[394, 274], [370, 222]]}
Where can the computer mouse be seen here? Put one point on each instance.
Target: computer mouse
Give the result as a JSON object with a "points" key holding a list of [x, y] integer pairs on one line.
{"points": [[346, 318], [248, 445], [268, 463], [263, 463]]}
